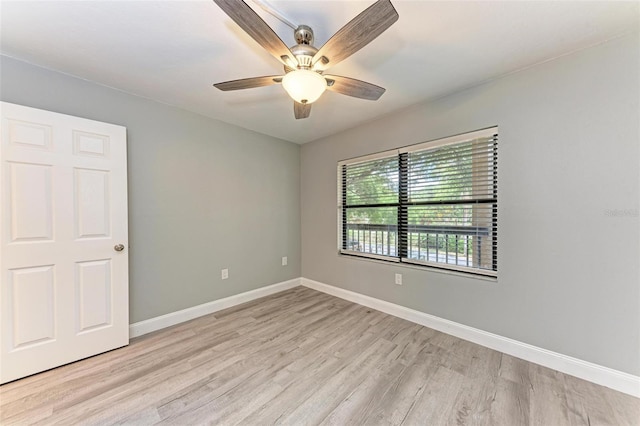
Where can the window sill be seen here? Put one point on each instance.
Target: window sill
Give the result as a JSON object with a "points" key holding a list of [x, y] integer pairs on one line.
{"points": [[424, 268]]}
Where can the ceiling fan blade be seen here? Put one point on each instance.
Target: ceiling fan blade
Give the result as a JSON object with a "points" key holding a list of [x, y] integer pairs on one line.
{"points": [[259, 30], [249, 83], [352, 87], [301, 110], [361, 30]]}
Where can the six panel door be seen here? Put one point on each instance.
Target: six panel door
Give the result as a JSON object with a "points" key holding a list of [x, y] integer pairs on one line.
{"points": [[63, 212]]}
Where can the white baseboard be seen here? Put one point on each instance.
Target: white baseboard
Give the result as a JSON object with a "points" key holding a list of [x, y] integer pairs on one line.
{"points": [[173, 318], [595, 373]]}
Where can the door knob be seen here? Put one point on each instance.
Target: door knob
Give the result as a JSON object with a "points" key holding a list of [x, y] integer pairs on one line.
{"points": [[118, 247]]}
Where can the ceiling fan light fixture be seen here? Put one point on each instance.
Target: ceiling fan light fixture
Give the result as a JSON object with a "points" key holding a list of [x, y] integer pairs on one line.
{"points": [[304, 86]]}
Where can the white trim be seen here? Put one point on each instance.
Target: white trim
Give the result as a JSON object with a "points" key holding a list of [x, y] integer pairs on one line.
{"points": [[457, 268], [614, 379], [173, 318], [421, 268]]}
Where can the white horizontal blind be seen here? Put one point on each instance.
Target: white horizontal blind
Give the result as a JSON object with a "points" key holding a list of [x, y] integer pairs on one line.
{"points": [[433, 204], [451, 206]]}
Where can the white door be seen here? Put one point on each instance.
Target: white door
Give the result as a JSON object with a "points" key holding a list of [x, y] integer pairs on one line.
{"points": [[64, 290]]}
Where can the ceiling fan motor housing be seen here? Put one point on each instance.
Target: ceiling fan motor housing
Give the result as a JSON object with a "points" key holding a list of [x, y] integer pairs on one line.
{"points": [[304, 55]]}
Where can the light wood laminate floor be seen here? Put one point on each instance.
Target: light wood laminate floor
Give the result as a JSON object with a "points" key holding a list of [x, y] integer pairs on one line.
{"points": [[301, 357]]}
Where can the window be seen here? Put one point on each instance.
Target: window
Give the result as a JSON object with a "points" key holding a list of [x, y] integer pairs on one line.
{"points": [[433, 204]]}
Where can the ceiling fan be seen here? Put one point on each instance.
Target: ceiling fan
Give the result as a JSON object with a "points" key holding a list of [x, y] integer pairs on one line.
{"points": [[304, 64]]}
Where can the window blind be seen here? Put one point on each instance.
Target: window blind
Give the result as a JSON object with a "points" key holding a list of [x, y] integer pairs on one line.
{"points": [[432, 204], [451, 212], [370, 206]]}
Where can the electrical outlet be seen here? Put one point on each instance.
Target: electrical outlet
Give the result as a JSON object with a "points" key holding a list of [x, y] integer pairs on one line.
{"points": [[224, 274], [284, 260], [399, 279]]}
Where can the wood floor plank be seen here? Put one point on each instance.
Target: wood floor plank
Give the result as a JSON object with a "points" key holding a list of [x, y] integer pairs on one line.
{"points": [[509, 406], [626, 408], [409, 386], [366, 397], [435, 405], [310, 371], [306, 358], [336, 386], [548, 400]]}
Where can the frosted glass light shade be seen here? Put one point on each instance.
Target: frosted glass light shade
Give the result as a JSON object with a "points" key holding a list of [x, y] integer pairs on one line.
{"points": [[304, 86]]}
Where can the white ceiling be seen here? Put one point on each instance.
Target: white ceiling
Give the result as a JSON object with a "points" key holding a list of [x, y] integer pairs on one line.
{"points": [[173, 51]]}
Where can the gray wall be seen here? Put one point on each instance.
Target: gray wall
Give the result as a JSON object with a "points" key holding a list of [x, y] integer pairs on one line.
{"points": [[203, 194], [568, 154]]}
